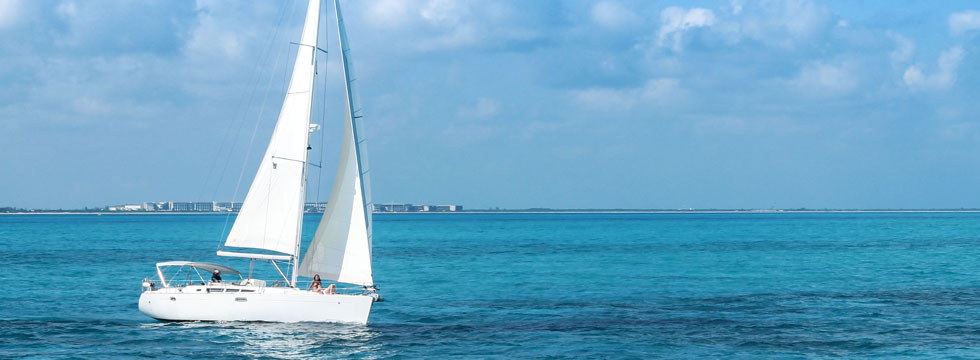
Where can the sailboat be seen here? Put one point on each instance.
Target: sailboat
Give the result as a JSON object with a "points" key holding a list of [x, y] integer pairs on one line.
{"points": [[270, 224]]}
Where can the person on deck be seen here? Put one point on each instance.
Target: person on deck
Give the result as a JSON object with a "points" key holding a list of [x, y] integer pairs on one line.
{"points": [[316, 285], [216, 276]]}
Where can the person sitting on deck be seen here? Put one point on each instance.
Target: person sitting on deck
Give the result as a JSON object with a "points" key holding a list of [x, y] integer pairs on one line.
{"points": [[216, 276], [316, 285]]}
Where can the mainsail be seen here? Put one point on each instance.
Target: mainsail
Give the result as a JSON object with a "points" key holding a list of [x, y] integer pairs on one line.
{"points": [[272, 214], [341, 248]]}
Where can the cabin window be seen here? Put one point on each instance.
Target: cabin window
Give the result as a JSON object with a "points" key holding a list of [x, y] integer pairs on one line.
{"points": [[215, 290]]}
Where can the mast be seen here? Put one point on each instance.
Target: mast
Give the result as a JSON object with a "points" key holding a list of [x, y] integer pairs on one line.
{"points": [[341, 247]]}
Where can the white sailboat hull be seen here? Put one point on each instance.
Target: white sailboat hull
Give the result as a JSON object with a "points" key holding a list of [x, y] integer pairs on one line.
{"points": [[271, 220], [195, 303]]}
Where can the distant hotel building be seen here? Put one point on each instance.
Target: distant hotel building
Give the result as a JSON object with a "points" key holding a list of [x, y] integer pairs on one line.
{"points": [[228, 206], [316, 207], [235, 206], [392, 207], [179, 206]]}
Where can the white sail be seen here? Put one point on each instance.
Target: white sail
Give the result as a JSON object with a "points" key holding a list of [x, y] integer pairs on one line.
{"points": [[272, 214], [341, 248]]}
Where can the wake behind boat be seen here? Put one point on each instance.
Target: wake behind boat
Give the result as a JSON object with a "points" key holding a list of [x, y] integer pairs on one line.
{"points": [[270, 223]]}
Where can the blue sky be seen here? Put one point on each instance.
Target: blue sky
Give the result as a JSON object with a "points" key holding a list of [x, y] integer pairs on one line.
{"points": [[516, 104]]}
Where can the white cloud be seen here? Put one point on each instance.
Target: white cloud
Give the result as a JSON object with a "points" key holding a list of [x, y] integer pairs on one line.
{"points": [[444, 12], [736, 6], [827, 79], [945, 77], [210, 36], [800, 17], [90, 106], [469, 132], [674, 21], [776, 23], [904, 48], [720, 125], [659, 91], [67, 9], [454, 24], [961, 22], [465, 35], [9, 12], [784, 23], [484, 108], [535, 128], [219, 31], [611, 14], [387, 13]]}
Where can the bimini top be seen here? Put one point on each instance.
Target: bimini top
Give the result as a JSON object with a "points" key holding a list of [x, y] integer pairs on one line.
{"points": [[209, 267]]}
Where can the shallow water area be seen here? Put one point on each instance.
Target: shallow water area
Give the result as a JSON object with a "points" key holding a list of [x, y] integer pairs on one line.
{"points": [[535, 285]]}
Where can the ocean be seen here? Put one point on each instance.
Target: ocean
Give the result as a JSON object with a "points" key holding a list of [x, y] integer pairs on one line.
{"points": [[737, 285]]}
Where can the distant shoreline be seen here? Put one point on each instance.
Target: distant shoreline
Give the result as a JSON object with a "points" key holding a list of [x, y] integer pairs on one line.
{"points": [[549, 211]]}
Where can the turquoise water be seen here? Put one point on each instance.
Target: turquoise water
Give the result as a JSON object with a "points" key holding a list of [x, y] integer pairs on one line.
{"points": [[565, 285]]}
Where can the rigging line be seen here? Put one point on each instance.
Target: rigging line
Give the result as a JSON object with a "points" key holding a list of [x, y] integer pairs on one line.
{"points": [[244, 109], [251, 140], [252, 85], [286, 80]]}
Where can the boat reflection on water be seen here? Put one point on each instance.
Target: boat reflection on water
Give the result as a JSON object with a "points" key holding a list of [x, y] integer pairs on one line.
{"points": [[275, 340]]}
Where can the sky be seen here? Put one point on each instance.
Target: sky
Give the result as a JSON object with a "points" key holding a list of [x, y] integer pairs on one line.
{"points": [[510, 104]]}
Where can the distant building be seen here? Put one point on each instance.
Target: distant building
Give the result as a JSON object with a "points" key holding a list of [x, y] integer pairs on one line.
{"points": [[396, 207], [232, 206], [156, 206], [236, 206], [392, 207], [182, 206], [128, 207], [445, 208], [315, 207]]}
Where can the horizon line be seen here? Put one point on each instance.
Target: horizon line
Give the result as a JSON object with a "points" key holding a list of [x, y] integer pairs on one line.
{"points": [[19, 210]]}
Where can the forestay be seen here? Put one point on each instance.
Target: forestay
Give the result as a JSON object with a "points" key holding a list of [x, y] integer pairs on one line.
{"points": [[272, 213], [341, 247]]}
